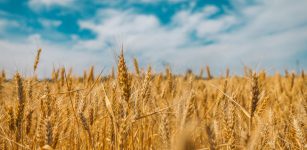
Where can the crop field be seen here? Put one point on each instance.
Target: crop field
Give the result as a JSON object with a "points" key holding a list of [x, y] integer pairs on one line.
{"points": [[140, 109]]}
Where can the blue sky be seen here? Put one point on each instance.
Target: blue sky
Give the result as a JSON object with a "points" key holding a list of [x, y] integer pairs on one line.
{"points": [[262, 34]]}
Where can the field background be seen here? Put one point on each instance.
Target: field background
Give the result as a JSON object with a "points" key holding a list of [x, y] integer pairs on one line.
{"points": [[144, 109]]}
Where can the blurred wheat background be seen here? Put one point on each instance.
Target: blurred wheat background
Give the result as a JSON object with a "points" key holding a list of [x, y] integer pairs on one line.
{"points": [[144, 109]]}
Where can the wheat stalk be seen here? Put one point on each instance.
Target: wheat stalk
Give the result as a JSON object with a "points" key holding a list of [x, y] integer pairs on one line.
{"points": [[21, 106], [123, 78], [39, 51]]}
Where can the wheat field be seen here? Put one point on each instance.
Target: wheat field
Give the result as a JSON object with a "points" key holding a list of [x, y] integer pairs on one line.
{"points": [[142, 109]]}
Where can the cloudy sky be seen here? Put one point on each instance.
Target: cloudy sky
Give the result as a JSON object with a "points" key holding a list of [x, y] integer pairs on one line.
{"points": [[262, 34]]}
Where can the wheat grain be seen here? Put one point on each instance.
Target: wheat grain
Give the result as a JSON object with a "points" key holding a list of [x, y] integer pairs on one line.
{"points": [[39, 51]]}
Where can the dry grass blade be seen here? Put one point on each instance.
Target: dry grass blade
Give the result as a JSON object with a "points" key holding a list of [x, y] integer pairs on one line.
{"points": [[233, 101]]}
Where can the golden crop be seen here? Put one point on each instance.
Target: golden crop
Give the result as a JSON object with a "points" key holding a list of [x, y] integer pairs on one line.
{"points": [[147, 110]]}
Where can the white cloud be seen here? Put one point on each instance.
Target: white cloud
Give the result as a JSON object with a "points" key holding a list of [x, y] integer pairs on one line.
{"points": [[2, 24], [50, 23], [202, 24], [212, 27], [251, 34], [41, 4], [155, 1], [210, 10], [116, 24], [263, 36], [5, 24]]}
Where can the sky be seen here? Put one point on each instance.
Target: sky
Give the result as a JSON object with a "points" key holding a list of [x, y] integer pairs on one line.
{"points": [[184, 34]]}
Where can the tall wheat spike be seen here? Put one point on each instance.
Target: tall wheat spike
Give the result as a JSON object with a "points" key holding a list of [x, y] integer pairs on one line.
{"points": [[201, 73], [3, 75], [227, 72], [91, 76], [39, 51], [255, 93], [211, 136], [123, 78], [136, 66], [209, 76], [21, 106]]}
